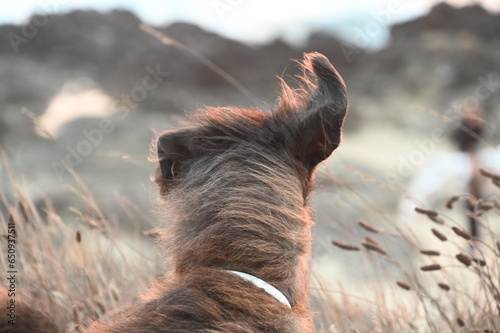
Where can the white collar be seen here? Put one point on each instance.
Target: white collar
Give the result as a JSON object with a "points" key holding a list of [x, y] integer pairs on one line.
{"points": [[263, 285]]}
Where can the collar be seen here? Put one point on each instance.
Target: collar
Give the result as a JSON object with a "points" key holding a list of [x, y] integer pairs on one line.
{"points": [[271, 290]]}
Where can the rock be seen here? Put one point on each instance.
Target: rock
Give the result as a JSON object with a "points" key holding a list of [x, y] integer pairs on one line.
{"points": [[445, 18]]}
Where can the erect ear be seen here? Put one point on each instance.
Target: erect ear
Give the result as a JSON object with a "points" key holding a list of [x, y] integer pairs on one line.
{"points": [[324, 108], [173, 149]]}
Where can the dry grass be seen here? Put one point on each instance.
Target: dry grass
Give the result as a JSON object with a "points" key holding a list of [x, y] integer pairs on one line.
{"points": [[75, 265], [453, 287]]}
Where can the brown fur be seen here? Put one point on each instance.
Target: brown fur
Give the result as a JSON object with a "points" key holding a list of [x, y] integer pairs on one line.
{"points": [[234, 186]]}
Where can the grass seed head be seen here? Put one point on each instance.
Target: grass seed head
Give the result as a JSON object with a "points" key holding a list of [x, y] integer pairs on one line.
{"points": [[403, 285], [24, 212], [430, 252], [368, 227], [368, 239], [451, 201], [428, 268], [486, 206], [100, 306], [480, 262], [462, 233], [471, 202], [439, 235], [428, 212], [373, 245], [464, 259], [489, 174], [346, 246], [436, 219], [444, 286]]}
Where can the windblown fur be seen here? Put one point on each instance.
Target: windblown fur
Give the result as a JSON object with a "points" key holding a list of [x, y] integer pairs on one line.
{"points": [[234, 186]]}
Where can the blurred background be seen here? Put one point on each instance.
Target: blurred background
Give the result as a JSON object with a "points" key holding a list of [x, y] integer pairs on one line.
{"points": [[82, 86]]}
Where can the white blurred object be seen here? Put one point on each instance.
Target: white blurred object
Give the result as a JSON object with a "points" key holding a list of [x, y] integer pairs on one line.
{"points": [[443, 175], [78, 98]]}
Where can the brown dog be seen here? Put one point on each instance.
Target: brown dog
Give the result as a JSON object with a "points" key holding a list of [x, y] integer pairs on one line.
{"points": [[235, 185]]}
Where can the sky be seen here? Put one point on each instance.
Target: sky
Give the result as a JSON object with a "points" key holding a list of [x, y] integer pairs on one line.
{"points": [[254, 21]]}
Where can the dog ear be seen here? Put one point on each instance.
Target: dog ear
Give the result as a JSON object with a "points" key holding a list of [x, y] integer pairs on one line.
{"points": [[322, 110], [173, 149]]}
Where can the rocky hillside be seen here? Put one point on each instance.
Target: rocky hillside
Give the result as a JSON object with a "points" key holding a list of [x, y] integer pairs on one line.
{"points": [[452, 46], [443, 17], [112, 50], [448, 56]]}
